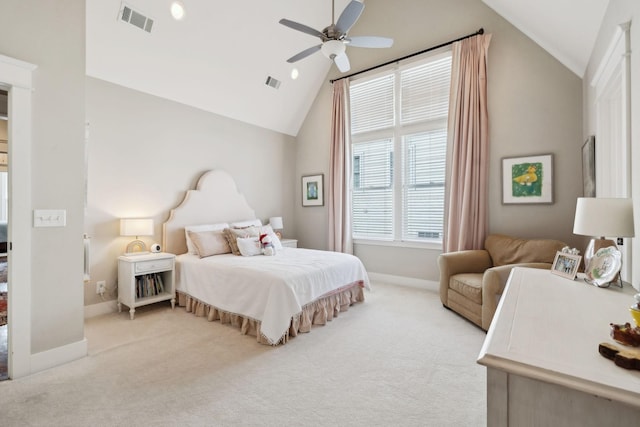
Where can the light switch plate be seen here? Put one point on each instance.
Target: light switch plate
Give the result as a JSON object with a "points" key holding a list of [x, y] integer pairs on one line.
{"points": [[49, 218]]}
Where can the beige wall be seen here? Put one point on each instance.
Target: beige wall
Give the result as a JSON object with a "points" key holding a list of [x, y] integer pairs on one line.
{"points": [[535, 106], [51, 35], [618, 12], [145, 152]]}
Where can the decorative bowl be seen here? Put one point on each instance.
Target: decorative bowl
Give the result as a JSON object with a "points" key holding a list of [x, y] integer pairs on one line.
{"points": [[635, 313]]}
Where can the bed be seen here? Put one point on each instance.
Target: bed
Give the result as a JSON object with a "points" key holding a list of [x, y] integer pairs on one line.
{"points": [[270, 297]]}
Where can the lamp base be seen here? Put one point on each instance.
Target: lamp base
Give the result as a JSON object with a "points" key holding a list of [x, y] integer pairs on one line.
{"points": [[137, 247]]}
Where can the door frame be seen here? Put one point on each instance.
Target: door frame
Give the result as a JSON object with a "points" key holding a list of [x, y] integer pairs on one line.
{"points": [[16, 78]]}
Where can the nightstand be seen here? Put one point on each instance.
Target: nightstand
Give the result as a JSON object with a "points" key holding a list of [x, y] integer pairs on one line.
{"points": [[289, 243], [146, 279]]}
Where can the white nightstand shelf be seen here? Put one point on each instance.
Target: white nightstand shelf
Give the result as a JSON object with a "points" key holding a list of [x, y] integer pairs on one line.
{"points": [[145, 279], [289, 243]]}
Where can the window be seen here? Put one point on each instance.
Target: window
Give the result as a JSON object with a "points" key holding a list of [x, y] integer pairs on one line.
{"points": [[399, 123]]}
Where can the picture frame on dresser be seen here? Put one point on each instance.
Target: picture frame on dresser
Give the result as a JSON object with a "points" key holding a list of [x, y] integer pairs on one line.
{"points": [[566, 265]]}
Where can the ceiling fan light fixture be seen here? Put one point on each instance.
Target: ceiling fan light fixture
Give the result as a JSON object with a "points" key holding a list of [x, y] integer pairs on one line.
{"points": [[333, 48]]}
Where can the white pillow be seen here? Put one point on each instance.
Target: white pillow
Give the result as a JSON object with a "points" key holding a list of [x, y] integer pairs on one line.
{"points": [[249, 246], [191, 248], [267, 229], [246, 223]]}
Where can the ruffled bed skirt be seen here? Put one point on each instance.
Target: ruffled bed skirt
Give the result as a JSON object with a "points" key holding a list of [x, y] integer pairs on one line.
{"points": [[317, 312]]}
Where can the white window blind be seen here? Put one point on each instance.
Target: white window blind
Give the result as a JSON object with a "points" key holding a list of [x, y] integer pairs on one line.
{"points": [[403, 112]]}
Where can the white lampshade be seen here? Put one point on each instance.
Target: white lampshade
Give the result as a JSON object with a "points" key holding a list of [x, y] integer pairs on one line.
{"points": [[333, 48], [600, 217], [276, 222], [136, 227]]}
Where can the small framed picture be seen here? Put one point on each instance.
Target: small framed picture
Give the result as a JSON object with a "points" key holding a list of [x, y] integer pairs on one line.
{"points": [[527, 180], [566, 265], [313, 190]]}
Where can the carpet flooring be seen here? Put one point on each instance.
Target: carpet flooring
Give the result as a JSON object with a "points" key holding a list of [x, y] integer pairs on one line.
{"points": [[398, 359]]}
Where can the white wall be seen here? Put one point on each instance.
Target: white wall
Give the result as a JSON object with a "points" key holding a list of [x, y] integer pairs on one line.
{"points": [[145, 152], [618, 12], [535, 106], [51, 36]]}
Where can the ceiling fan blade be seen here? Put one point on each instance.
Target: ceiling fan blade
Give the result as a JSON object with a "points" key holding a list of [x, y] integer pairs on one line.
{"points": [[369, 41], [342, 62], [301, 27], [304, 54], [349, 16]]}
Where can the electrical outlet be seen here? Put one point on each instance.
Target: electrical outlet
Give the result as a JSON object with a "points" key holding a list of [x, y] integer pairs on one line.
{"points": [[620, 241], [101, 287]]}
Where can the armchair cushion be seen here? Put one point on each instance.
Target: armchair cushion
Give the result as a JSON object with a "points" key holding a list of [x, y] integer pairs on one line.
{"points": [[506, 250]]}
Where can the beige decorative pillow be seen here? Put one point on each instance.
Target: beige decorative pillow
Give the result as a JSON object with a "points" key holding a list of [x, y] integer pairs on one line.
{"points": [[232, 235], [209, 243]]}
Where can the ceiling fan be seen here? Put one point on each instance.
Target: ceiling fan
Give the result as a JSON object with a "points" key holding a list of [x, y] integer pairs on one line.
{"points": [[334, 37]]}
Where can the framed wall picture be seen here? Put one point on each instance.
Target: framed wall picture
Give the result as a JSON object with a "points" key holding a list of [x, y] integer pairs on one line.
{"points": [[566, 265], [313, 190], [527, 179], [589, 167]]}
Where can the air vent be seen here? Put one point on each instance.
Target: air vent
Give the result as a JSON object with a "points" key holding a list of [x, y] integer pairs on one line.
{"points": [[133, 17], [274, 83]]}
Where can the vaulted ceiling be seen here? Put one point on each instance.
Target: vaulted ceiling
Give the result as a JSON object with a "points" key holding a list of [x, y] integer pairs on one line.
{"points": [[219, 57]]}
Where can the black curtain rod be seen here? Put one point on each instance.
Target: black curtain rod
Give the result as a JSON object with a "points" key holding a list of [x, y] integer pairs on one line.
{"points": [[480, 31]]}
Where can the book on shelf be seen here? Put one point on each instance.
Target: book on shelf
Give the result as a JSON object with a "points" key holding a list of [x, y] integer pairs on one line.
{"points": [[148, 285]]}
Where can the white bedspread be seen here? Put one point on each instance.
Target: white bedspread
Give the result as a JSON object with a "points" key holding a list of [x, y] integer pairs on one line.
{"points": [[270, 289]]}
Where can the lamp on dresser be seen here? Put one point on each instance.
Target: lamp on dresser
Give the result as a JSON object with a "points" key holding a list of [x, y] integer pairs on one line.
{"points": [[277, 225], [601, 217], [136, 227]]}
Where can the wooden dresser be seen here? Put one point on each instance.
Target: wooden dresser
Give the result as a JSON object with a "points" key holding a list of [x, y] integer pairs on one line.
{"points": [[542, 359]]}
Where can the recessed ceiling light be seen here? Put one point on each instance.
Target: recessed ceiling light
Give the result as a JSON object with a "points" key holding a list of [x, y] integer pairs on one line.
{"points": [[177, 10], [294, 73]]}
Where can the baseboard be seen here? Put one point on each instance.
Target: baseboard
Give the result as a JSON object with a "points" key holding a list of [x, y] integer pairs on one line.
{"points": [[100, 308], [412, 282], [58, 356]]}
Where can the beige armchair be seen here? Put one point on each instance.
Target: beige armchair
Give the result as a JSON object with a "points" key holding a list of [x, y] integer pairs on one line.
{"points": [[472, 281]]}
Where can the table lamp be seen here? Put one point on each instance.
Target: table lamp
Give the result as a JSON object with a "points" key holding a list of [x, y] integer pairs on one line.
{"points": [[136, 227], [603, 217], [277, 225]]}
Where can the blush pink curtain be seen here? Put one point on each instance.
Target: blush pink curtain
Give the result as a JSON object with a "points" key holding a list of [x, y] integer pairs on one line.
{"points": [[466, 212], [339, 200]]}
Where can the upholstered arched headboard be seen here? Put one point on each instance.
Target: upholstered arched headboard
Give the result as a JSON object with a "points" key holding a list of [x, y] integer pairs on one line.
{"points": [[216, 199]]}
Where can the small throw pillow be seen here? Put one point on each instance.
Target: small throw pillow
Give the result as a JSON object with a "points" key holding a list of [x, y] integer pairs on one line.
{"points": [[191, 248], [246, 223], [209, 243], [232, 234], [249, 246]]}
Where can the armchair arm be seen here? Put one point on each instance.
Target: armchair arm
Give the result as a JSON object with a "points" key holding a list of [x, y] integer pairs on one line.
{"points": [[469, 261], [493, 282]]}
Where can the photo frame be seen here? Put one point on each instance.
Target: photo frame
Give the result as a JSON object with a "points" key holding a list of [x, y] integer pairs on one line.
{"points": [[589, 167], [313, 190], [566, 265], [527, 179]]}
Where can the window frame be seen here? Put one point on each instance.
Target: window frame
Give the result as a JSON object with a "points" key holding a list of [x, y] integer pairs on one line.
{"points": [[396, 132]]}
